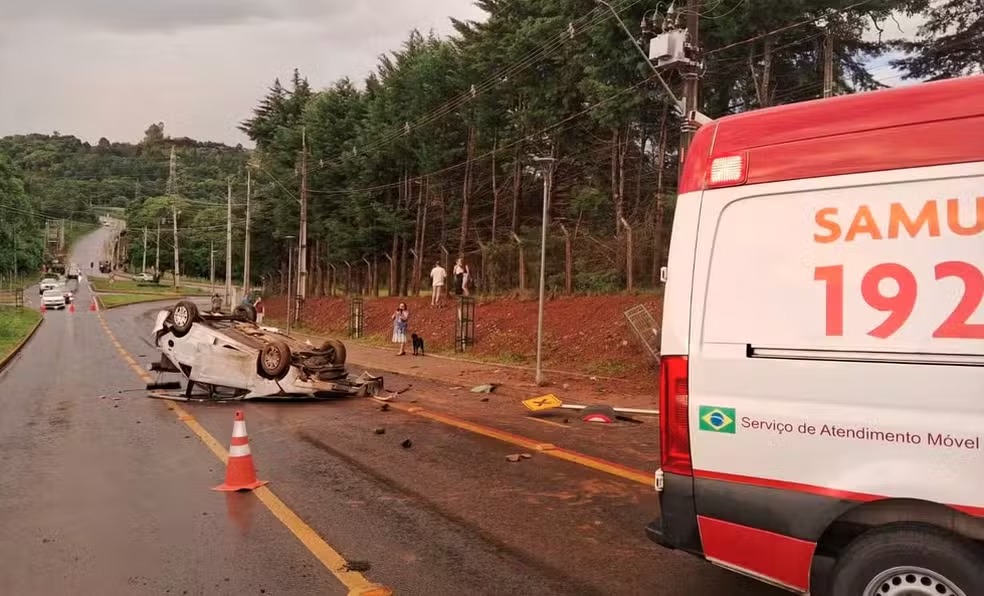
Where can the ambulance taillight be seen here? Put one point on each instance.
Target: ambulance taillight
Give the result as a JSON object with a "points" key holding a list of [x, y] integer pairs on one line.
{"points": [[674, 403]]}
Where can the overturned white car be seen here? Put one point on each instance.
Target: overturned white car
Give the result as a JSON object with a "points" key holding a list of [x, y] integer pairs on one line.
{"points": [[230, 356]]}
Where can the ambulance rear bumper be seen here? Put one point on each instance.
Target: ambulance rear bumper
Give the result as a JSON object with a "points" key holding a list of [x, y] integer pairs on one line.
{"points": [[676, 528]]}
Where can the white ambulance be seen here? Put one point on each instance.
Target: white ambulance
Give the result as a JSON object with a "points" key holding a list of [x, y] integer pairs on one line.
{"points": [[822, 374]]}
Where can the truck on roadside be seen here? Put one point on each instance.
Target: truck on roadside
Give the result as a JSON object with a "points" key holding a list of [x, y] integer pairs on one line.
{"points": [[822, 357]]}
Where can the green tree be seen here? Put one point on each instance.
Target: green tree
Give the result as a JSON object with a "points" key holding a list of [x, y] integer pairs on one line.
{"points": [[950, 43], [20, 235]]}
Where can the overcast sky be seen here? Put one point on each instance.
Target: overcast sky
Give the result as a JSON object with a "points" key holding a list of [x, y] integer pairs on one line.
{"points": [[111, 67]]}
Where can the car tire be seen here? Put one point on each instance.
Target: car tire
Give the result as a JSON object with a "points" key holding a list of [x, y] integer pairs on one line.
{"points": [[909, 556], [274, 360], [245, 313], [183, 316], [338, 348]]}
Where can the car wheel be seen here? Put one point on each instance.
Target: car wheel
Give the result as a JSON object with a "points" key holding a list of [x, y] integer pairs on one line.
{"points": [[910, 560], [274, 360], [245, 312], [183, 317], [338, 348]]}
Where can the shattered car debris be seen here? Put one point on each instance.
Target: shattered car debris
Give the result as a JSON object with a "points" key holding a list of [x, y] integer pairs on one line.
{"points": [[231, 356]]}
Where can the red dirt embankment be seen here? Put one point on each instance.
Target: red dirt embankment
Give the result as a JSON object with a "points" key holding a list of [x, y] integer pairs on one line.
{"points": [[584, 334]]}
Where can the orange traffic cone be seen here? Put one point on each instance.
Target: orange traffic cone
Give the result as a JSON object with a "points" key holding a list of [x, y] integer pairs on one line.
{"points": [[92, 306], [43, 309], [71, 307], [240, 473]]}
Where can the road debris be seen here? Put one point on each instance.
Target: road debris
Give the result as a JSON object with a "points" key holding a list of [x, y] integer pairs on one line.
{"points": [[487, 388], [384, 408], [551, 401], [379, 430], [360, 566], [526, 455], [406, 444], [598, 414], [513, 458], [484, 399]]}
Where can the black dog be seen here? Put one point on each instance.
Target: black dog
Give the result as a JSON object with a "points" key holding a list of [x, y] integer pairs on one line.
{"points": [[418, 344]]}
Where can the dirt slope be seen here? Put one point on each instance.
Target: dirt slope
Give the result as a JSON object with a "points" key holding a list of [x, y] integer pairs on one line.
{"points": [[585, 334]]}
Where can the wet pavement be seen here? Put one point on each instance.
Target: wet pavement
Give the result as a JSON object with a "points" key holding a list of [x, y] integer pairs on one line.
{"points": [[105, 491]]}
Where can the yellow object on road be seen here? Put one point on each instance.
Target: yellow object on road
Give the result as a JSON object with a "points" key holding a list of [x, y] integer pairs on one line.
{"points": [[544, 402]]}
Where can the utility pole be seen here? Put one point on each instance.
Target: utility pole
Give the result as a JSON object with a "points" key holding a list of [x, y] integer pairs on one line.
{"points": [[691, 79], [547, 172], [144, 268], [302, 236], [172, 191], [228, 279], [157, 259], [246, 271], [828, 62], [177, 268], [211, 264], [290, 271]]}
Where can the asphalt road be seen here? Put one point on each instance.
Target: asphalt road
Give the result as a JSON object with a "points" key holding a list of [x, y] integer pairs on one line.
{"points": [[105, 491]]}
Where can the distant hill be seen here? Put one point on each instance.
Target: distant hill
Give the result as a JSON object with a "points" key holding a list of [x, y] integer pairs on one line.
{"points": [[63, 177]]}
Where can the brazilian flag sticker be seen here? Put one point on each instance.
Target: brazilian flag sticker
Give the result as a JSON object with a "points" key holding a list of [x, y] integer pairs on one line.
{"points": [[717, 420]]}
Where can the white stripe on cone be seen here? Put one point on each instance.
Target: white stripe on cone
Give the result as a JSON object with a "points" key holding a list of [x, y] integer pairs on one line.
{"points": [[239, 450], [239, 428]]}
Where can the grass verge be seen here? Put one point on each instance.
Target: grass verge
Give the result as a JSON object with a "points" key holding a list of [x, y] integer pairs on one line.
{"points": [[15, 325], [117, 300]]}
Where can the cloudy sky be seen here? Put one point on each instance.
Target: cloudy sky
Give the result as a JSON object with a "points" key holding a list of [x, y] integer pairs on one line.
{"points": [[110, 67]]}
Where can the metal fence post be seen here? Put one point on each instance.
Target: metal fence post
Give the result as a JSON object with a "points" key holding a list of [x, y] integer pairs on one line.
{"points": [[356, 317], [464, 325]]}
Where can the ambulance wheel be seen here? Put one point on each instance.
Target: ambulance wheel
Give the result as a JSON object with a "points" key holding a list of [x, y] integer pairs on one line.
{"points": [[909, 559], [274, 360], [338, 348], [183, 316]]}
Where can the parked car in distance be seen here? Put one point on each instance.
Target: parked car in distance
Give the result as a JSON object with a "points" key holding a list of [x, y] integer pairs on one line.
{"points": [[53, 299], [144, 277]]}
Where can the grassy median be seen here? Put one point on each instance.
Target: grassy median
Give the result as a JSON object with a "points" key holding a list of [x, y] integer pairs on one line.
{"points": [[115, 300], [15, 325], [126, 286]]}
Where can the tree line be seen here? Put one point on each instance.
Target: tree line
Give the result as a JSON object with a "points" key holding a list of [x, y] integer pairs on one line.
{"points": [[433, 154]]}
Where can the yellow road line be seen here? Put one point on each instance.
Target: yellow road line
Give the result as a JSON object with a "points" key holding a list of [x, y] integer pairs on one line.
{"points": [[545, 421], [334, 562], [547, 448]]}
